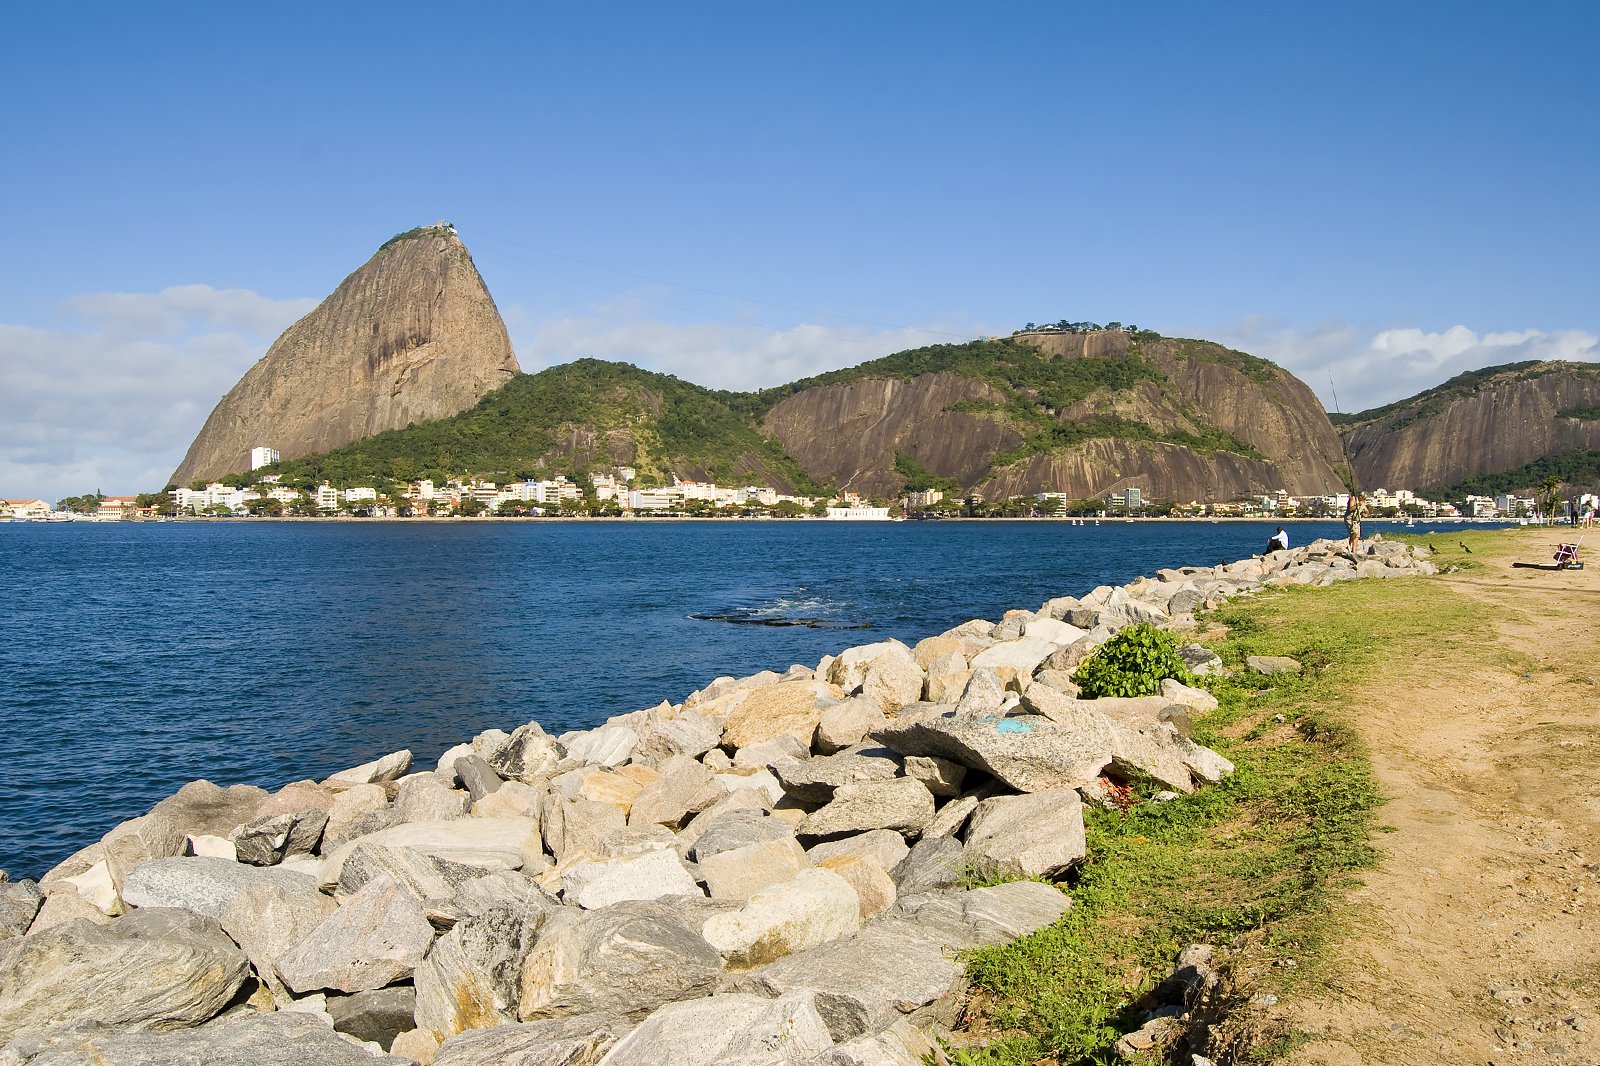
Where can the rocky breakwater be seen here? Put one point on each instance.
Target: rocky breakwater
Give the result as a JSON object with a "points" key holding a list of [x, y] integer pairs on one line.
{"points": [[775, 870]]}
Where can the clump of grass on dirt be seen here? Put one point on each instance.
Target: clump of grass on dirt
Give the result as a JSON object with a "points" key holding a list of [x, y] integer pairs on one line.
{"points": [[1258, 857]]}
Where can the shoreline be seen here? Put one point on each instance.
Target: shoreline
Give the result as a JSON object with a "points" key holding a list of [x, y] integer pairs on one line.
{"points": [[870, 782], [1491, 523]]}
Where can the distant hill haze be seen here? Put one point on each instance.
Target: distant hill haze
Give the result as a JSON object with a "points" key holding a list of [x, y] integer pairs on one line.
{"points": [[1481, 423], [411, 336]]}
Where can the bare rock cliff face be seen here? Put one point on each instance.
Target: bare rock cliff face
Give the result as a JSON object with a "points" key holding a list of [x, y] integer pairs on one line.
{"points": [[1261, 404], [1507, 422], [412, 335], [848, 434]]}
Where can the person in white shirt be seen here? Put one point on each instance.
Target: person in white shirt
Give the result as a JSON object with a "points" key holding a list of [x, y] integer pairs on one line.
{"points": [[1279, 541]]}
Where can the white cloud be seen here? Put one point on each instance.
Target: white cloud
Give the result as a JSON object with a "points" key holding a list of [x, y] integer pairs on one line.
{"points": [[111, 400], [719, 355], [1370, 367]]}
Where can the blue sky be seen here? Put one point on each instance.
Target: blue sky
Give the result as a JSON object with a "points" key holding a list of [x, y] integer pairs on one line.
{"points": [[741, 194]]}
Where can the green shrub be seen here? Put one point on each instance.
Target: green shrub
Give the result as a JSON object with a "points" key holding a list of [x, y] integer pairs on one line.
{"points": [[1132, 663]]}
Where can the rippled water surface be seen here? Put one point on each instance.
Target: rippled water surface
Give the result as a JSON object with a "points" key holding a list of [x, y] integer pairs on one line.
{"points": [[136, 657]]}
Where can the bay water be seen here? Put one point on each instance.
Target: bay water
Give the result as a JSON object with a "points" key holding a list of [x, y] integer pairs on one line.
{"points": [[135, 657]]}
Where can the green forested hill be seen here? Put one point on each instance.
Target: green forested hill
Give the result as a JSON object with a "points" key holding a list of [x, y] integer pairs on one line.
{"points": [[589, 412]]}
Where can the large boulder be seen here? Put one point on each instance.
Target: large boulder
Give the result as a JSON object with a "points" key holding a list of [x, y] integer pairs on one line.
{"points": [[472, 978], [684, 787], [626, 959], [1014, 660], [608, 746], [813, 907], [203, 885], [875, 891], [901, 803], [159, 969], [884, 845], [377, 937], [528, 755], [739, 873], [425, 798], [893, 679], [849, 668], [268, 841], [596, 883], [726, 1030], [569, 1040], [375, 1016], [268, 921], [484, 843], [815, 780], [793, 707], [847, 723], [283, 1038], [389, 767], [574, 828], [947, 677], [1036, 835], [19, 902], [1029, 752]]}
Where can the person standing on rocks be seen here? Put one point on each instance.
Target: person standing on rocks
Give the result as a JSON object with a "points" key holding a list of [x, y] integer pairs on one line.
{"points": [[1353, 514]]}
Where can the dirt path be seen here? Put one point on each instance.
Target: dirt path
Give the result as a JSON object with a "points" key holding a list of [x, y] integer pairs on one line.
{"points": [[1478, 939]]}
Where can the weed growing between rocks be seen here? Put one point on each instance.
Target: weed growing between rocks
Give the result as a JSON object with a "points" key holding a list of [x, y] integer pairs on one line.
{"points": [[1255, 862]]}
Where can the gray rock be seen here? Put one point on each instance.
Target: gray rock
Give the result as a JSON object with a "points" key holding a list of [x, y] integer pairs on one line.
{"points": [[901, 803], [268, 841], [688, 734], [736, 829], [863, 983], [377, 1015], [571, 1040], [19, 903], [1014, 660], [885, 845], [627, 959], [932, 864], [159, 970], [485, 843], [1059, 680], [893, 679], [726, 1030], [478, 776], [984, 693], [764, 753], [497, 889], [471, 979], [637, 840], [984, 917], [268, 921], [848, 669], [902, 1044], [815, 780], [350, 807], [200, 808], [425, 878], [283, 1038], [685, 787], [941, 776], [875, 891], [203, 885], [596, 883], [949, 819], [528, 755], [573, 828], [1272, 664], [741, 872], [1037, 835], [1031, 753], [378, 937], [847, 723], [1200, 659], [608, 746], [424, 798], [389, 767], [811, 908]]}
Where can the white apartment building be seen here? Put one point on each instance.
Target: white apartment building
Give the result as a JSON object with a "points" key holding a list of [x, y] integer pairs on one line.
{"points": [[327, 497], [260, 457], [359, 495]]}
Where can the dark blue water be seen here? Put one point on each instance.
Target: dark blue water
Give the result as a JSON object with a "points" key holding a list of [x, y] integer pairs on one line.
{"points": [[136, 657]]}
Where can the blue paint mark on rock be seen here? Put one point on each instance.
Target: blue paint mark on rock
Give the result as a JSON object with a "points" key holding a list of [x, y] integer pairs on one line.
{"points": [[1011, 725]]}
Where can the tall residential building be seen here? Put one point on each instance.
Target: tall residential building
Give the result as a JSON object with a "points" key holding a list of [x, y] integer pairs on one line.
{"points": [[260, 457]]}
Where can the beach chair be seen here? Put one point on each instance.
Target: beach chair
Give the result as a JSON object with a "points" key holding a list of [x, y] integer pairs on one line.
{"points": [[1567, 556]]}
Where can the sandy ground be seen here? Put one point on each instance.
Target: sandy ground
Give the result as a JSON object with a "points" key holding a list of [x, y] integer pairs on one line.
{"points": [[1478, 939]]}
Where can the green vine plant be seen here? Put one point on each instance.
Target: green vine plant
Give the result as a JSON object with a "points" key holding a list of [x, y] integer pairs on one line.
{"points": [[1132, 663]]}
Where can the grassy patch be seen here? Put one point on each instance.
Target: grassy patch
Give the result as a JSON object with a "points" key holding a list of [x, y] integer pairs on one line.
{"points": [[1261, 856]]}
